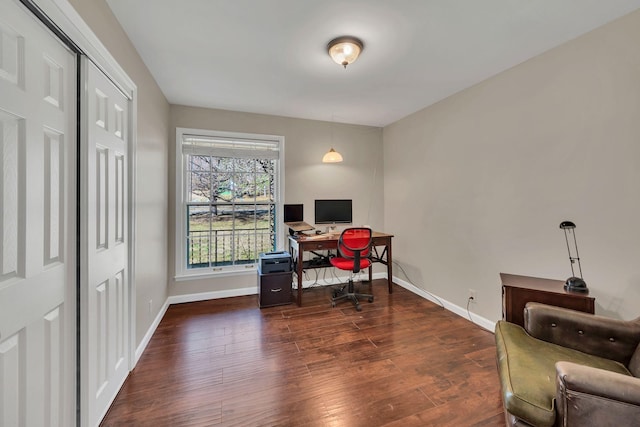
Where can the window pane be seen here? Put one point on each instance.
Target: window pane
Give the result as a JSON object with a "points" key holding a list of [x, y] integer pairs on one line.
{"points": [[222, 187], [198, 163], [244, 217], [222, 164], [222, 235], [244, 186], [198, 187], [264, 188], [265, 180], [245, 224], [222, 217], [244, 177], [245, 165], [198, 236], [266, 166], [253, 231], [265, 228]]}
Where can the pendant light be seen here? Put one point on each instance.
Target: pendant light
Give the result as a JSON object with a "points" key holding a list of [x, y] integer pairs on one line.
{"points": [[332, 156]]}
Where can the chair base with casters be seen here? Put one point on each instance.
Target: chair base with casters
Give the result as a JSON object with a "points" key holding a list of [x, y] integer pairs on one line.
{"points": [[354, 247], [348, 292]]}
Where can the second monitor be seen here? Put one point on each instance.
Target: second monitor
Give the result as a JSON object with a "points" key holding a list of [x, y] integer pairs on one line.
{"points": [[293, 213], [333, 211]]}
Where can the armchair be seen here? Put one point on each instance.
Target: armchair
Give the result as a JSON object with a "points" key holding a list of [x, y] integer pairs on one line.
{"points": [[568, 368]]}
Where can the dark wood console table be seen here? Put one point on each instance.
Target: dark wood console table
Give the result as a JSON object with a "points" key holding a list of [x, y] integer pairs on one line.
{"points": [[517, 291]]}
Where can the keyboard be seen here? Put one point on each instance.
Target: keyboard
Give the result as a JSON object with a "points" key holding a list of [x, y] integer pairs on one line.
{"points": [[316, 237]]}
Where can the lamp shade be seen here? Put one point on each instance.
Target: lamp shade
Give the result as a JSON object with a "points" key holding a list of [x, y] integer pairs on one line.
{"points": [[332, 157], [567, 225], [345, 50]]}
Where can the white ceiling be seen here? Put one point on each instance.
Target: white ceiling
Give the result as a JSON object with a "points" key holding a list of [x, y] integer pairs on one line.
{"points": [[269, 56]]}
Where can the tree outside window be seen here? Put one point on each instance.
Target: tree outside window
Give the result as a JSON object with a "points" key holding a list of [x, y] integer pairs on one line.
{"points": [[230, 211]]}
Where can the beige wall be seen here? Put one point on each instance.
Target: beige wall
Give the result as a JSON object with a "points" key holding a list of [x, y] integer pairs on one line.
{"points": [[151, 167], [479, 183], [474, 185], [359, 177]]}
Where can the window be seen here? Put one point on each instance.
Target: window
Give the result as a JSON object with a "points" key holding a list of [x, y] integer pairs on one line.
{"points": [[228, 200]]}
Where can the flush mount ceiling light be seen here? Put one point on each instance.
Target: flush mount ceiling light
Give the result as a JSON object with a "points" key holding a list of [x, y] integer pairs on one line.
{"points": [[345, 50]]}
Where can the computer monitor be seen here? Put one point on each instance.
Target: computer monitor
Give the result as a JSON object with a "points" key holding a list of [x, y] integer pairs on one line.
{"points": [[293, 213], [333, 211]]}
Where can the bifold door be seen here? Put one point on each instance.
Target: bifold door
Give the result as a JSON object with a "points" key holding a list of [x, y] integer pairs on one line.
{"points": [[105, 288], [37, 223]]}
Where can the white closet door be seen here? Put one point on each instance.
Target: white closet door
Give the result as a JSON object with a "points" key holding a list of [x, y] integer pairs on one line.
{"points": [[37, 223], [105, 290]]}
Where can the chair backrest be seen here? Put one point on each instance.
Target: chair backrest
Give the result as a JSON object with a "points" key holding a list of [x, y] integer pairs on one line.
{"points": [[355, 243]]}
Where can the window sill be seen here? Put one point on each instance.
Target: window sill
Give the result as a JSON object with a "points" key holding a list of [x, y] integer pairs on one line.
{"points": [[224, 272]]}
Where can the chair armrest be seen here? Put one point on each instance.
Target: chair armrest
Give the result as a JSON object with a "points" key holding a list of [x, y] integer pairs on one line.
{"points": [[634, 365], [587, 396], [597, 335]]}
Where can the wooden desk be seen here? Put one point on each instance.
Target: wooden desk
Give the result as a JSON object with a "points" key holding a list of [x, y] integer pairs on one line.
{"points": [[298, 245], [517, 291]]}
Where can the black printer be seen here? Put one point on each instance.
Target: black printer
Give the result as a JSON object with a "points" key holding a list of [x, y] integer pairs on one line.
{"points": [[275, 262]]}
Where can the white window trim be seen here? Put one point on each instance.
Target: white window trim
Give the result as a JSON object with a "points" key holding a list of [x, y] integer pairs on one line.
{"points": [[182, 272]]}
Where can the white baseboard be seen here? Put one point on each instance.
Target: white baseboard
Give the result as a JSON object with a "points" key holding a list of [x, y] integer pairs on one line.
{"points": [[152, 328], [203, 296], [178, 299], [460, 311]]}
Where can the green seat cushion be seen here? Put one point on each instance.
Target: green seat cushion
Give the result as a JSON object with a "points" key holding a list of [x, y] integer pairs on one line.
{"points": [[527, 372]]}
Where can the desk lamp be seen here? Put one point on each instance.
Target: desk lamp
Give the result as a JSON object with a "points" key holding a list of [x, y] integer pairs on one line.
{"points": [[573, 283]]}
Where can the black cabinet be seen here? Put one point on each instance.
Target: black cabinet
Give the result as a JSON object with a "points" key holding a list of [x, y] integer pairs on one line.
{"points": [[274, 279], [275, 289]]}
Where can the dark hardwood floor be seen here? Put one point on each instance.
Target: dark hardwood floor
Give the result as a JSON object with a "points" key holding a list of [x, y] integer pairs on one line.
{"points": [[401, 361]]}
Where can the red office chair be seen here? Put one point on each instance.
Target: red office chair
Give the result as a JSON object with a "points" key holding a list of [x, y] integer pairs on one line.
{"points": [[354, 247]]}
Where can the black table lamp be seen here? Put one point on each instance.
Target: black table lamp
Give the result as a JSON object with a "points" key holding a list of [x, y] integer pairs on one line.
{"points": [[573, 283]]}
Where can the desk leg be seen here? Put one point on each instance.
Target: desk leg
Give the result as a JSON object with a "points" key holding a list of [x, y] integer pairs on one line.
{"points": [[299, 274], [389, 267]]}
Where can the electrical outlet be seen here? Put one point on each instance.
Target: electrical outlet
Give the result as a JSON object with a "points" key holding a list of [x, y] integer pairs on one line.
{"points": [[472, 295]]}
